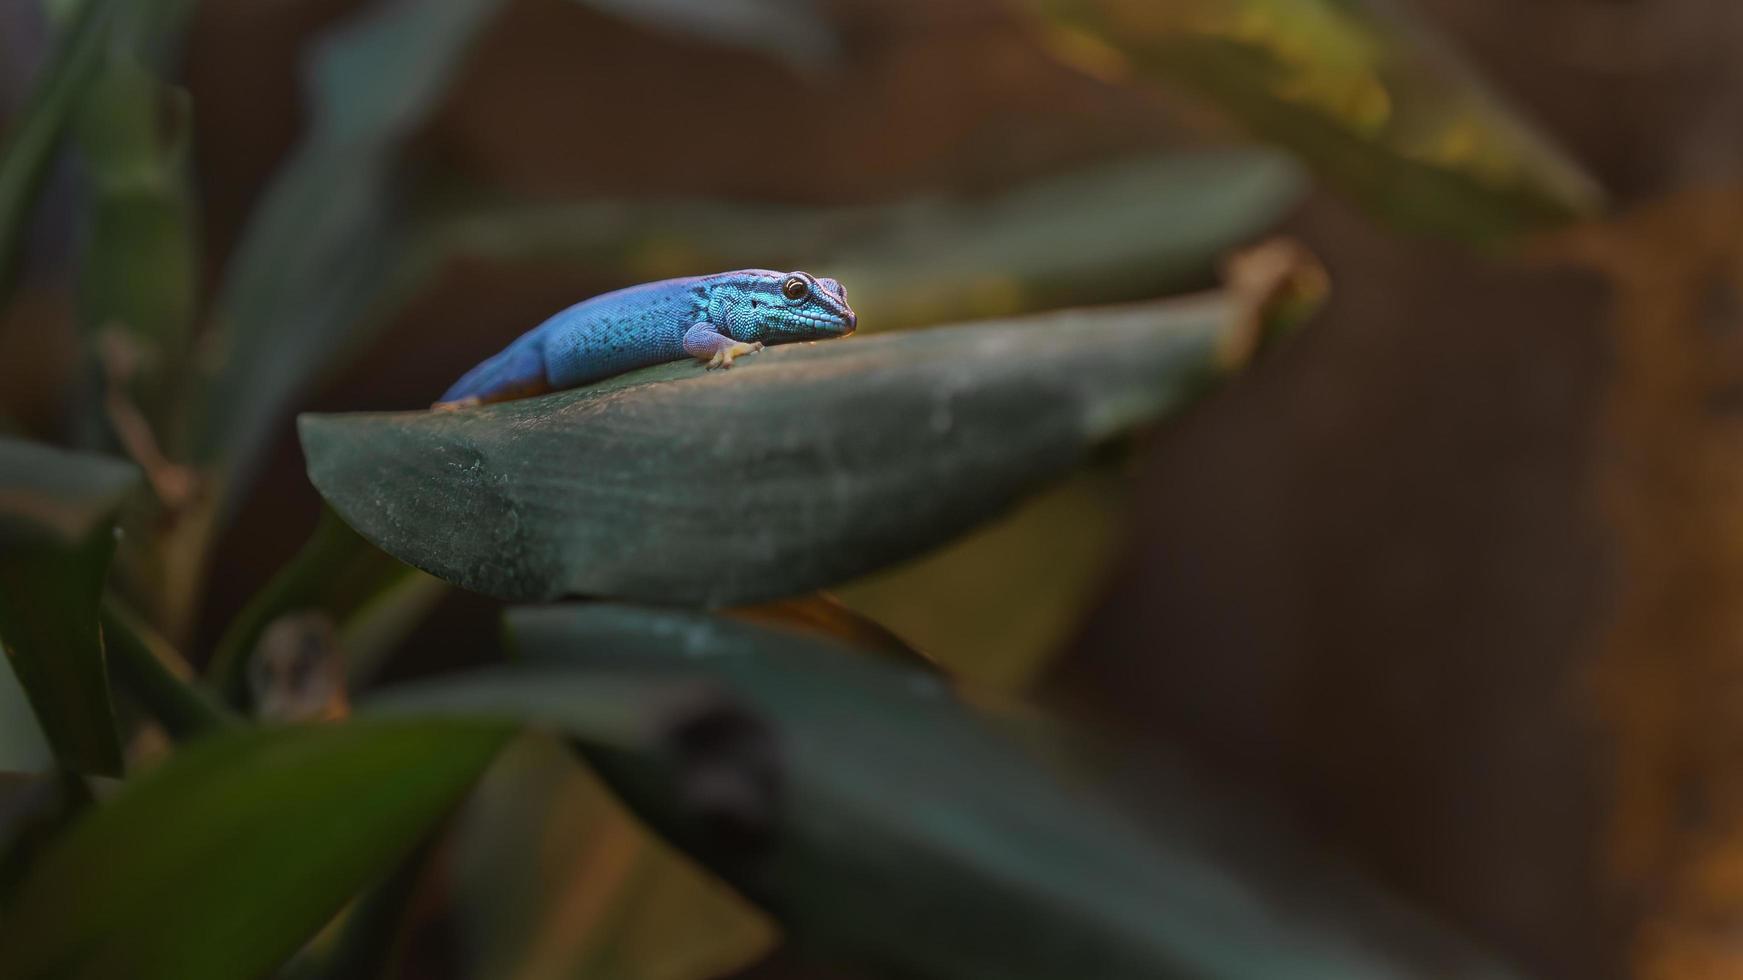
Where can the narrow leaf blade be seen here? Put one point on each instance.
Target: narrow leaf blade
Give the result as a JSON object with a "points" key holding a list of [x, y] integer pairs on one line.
{"points": [[35, 135], [1124, 230], [57, 514], [332, 224], [23, 746]]}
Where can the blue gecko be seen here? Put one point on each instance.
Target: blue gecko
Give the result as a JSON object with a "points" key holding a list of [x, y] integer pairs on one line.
{"points": [[711, 318]]}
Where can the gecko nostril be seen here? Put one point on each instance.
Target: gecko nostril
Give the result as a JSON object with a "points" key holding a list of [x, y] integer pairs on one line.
{"points": [[851, 319]]}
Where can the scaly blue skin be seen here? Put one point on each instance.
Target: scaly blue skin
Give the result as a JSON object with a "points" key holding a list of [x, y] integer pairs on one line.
{"points": [[711, 318]]}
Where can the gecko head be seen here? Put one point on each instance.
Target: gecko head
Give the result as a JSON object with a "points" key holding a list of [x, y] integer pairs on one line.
{"points": [[776, 307]]}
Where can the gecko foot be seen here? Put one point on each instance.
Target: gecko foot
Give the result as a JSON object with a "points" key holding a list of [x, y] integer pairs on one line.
{"points": [[470, 401], [724, 356]]}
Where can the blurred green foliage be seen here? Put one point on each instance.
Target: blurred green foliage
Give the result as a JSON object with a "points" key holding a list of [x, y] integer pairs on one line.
{"points": [[57, 533], [140, 270], [336, 573], [808, 762], [34, 137], [1130, 229], [149, 668], [1360, 94], [799, 32], [23, 746], [328, 232], [830, 787], [252, 840]]}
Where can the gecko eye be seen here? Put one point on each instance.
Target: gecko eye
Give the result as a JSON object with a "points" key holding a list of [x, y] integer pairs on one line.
{"points": [[795, 288]]}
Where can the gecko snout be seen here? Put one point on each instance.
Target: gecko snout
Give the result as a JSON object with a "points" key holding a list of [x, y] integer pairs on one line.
{"points": [[850, 320]]}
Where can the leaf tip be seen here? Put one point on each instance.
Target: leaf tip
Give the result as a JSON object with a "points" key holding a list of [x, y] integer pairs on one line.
{"points": [[1275, 286]]}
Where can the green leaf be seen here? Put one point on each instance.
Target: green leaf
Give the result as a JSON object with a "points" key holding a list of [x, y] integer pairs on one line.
{"points": [[336, 573], [330, 228], [36, 132], [1362, 95], [885, 822], [1126, 230], [223, 861], [803, 466], [1121, 231], [57, 533]]}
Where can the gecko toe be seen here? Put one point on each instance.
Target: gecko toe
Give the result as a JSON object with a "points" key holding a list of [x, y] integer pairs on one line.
{"points": [[724, 357]]}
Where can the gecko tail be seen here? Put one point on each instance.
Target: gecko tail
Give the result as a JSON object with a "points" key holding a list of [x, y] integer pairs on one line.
{"points": [[517, 371]]}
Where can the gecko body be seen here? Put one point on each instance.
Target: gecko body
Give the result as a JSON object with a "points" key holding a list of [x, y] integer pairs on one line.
{"points": [[711, 318]]}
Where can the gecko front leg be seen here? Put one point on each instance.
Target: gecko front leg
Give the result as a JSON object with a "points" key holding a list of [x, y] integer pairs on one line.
{"points": [[705, 342]]}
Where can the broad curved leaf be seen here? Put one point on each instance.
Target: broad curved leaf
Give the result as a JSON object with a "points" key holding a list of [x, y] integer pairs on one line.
{"points": [[802, 467], [223, 861], [57, 533], [885, 822], [1361, 94]]}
